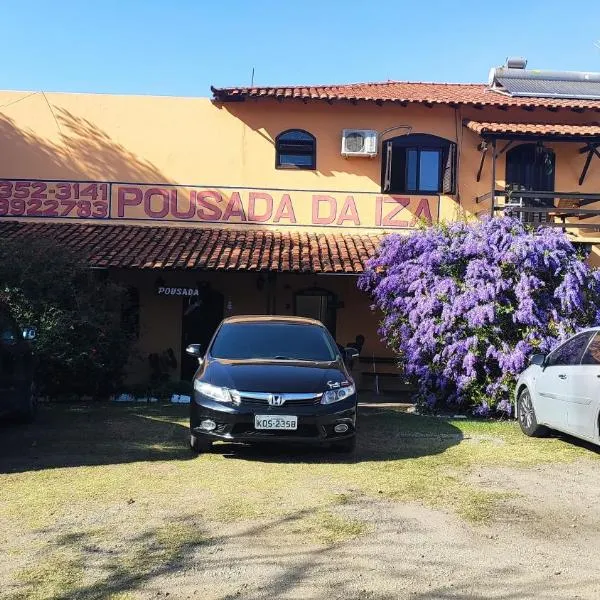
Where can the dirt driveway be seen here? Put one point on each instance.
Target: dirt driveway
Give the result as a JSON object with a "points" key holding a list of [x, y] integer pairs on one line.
{"points": [[106, 502]]}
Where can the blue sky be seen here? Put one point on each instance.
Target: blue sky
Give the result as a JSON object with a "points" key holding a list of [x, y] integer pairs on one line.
{"points": [[181, 47]]}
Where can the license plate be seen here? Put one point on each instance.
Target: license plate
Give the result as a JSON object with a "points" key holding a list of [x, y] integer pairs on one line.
{"points": [[275, 422]]}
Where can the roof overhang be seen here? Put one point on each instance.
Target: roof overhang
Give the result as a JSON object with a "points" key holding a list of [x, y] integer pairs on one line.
{"points": [[535, 131], [118, 246]]}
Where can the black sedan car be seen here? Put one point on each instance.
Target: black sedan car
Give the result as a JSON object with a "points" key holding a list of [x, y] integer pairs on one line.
{"points": [[280, 379]]}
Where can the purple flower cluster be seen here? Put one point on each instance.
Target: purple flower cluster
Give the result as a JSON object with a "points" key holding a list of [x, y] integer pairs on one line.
{"points": [[465, 304]]}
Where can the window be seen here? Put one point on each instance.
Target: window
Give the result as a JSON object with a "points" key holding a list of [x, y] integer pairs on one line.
{"points": [[530, 167], [592, 354], [295, 149], [418, 164], [570, 352]]}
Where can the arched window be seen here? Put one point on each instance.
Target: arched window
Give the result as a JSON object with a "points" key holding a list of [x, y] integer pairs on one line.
{"points": [[295, 149], [418, 163]]}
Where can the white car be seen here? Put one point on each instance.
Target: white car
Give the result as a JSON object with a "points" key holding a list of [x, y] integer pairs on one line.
{"points": [[562, 390]]}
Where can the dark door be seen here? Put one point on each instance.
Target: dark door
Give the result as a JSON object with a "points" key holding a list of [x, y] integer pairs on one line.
{"points": [[317, 304], [530, 167], [200, 319]]}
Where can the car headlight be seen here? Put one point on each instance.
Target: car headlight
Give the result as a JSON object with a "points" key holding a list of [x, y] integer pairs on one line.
{"points": [[331, 396], [214, 392]]}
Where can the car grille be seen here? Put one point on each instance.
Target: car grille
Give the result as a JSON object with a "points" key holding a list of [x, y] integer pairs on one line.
{"points": [[262, 399], [288, 403]]}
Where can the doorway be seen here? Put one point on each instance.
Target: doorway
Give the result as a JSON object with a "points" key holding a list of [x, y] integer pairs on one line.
{"points": [[200, 318], [319, 304], [530, 167]]}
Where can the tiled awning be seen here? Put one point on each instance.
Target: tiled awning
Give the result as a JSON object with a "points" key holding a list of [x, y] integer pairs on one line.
{"points": [[544, 130], [401, 92], [141, 247]]}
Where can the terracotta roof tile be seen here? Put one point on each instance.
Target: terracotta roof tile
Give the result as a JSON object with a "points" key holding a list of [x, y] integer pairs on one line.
{"points": [[541, 129], [401, 92], [147, 247]]}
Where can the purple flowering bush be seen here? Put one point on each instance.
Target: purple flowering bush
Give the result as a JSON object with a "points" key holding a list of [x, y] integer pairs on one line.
{"points": [[465, 305]]}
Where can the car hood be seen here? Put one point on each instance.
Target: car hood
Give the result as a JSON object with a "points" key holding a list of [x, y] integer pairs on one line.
{"points": [[273, 377]]}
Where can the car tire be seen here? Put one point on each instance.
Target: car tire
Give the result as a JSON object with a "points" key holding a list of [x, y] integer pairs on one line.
{"points": [[345, 446], [526, 415], [28, 409], [199, 444]]}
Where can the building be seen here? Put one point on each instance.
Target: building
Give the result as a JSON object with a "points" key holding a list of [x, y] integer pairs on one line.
{"points": [[271, 200]]}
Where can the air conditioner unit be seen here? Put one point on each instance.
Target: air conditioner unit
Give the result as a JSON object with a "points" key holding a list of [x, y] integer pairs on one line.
{"points": [[359, 142]]}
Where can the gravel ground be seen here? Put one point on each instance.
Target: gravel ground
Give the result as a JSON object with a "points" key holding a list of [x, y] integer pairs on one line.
{"points": [[544, 543], [448, 510]]}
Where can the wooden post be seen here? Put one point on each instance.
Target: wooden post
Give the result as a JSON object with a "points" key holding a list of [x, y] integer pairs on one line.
{"points": [[493, 177]]}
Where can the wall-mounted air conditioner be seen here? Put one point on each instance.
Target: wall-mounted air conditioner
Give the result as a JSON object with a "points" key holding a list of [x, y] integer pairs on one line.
{"points": [[359, 142]]}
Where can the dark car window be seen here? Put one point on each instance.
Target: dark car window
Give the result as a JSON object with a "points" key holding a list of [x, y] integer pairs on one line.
{"points": [[9, 332], [570, 352], [241, 341], [592, 354]]}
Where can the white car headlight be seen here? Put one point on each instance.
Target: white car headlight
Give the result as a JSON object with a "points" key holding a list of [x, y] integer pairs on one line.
{"points": [[219, 394], [331, 396]]}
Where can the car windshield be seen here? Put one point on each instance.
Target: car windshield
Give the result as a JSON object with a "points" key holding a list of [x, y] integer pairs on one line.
{"points": [[278, 341]]}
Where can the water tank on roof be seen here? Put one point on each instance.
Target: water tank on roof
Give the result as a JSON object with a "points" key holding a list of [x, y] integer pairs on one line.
{"points": [[516, 62]]}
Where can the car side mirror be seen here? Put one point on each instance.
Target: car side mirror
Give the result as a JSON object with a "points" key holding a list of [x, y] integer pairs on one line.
{"points": [[351, 353], [538, 359], [29, 333], [195, 350]]}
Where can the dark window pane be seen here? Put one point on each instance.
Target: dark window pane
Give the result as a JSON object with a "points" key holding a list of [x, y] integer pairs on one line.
{"points": [[429, 171], [570, 352], [267, 340], [592, 354], [296, 159], [295, 149], [411, 169], [296, 135], [313, 307], [420, 163]]}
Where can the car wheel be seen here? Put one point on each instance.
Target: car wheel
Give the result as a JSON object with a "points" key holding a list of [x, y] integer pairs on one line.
{"points": [[29, 405], [348, 445], [526, 416], [199, 445]]}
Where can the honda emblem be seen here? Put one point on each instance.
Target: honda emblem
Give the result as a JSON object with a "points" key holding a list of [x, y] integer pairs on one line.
{"points": [[276, 400]]}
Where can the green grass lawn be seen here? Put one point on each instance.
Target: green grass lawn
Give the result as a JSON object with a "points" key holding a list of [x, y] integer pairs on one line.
{"points": [[96, 500]]}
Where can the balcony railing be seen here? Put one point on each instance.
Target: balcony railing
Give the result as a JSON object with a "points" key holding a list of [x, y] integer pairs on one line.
{"points": [[551, 209]]}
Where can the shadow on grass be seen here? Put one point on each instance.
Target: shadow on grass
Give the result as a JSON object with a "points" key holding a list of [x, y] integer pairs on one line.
{"points": [[383, 434], [569, 439], [97, 434], [81, 435], [180, 557]]}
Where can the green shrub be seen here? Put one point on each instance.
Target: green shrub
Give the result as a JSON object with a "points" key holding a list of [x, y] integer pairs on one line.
{"points": [[82, 345]]}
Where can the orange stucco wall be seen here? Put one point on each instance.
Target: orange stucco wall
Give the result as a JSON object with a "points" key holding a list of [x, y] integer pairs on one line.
{"points": [[194, 142], [191, 141]]}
